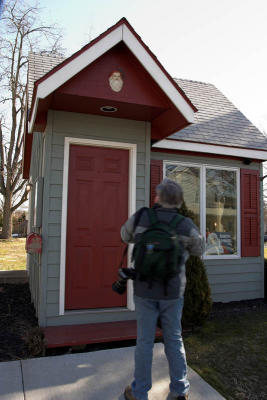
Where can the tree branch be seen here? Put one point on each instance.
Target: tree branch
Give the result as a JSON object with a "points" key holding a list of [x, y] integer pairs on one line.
{"points": [[20, 31], [19, 187], [2, 162], [22, 200], [17, 177], [19, 134]]}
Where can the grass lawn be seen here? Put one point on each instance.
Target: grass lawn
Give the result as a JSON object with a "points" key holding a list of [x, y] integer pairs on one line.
{"points": [[230, 353], [12, 254]]}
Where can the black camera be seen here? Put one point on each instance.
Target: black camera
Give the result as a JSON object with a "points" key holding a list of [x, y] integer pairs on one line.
{"points": [[124, 274]]}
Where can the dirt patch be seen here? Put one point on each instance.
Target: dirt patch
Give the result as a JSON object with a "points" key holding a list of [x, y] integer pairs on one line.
{"points": [[20, 336], [237, 307]]}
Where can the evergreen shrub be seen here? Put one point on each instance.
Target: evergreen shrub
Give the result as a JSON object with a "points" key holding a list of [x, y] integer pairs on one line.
{"points": [[197, 297]]}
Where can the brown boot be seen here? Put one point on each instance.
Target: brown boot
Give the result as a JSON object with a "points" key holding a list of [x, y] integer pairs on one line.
{"points": [[128, 394]]}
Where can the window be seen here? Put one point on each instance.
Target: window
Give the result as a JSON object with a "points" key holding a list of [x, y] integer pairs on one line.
{"points": [[212, 194], [189, 178]]}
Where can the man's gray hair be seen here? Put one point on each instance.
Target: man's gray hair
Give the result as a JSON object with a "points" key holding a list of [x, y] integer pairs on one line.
{"points": [[170, 193]]}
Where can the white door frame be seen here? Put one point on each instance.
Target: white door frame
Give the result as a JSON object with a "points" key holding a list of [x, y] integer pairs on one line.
{"points": [[131, 208]]}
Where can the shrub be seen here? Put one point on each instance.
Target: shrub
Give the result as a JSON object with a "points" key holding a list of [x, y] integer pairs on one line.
{"points": [[197, 298]]}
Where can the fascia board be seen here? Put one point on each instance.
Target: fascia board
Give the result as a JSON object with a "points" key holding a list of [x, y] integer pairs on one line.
{"points": [[72, 68], [212, 149], [32, 120], [121, 33], [157, 74]]}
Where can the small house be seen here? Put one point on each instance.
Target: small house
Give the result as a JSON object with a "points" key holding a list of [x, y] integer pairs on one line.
{"points": [[104, 127]]}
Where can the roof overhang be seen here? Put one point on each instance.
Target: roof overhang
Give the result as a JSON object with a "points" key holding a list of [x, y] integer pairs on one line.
{"points": [[241, 152], [121, 32]]}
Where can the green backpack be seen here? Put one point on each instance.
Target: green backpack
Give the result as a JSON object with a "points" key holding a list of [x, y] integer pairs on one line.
{"points": [[158, 252]]}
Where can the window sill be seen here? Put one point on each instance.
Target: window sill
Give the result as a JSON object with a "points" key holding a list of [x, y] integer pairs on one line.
{"points": [[222, 257]]}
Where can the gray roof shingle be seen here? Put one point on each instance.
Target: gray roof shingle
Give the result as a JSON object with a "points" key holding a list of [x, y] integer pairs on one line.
{"points": [[217, 120], [39, 65]]}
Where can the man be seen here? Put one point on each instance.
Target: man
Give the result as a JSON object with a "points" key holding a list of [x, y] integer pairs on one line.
{"points": [[153, 301]]}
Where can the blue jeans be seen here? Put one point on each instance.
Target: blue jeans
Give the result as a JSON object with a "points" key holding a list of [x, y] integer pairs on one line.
{"points": [[170, 313]]}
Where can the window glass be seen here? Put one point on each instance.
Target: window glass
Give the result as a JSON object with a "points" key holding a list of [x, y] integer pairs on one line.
{"points": [[221, 212], [189, 178]]}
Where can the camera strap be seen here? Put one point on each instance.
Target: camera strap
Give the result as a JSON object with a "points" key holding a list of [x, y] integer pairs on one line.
{"points": [[123, 256]]}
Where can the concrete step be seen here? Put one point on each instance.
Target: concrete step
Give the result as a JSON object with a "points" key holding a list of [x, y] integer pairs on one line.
{"points": [[77, 335]]}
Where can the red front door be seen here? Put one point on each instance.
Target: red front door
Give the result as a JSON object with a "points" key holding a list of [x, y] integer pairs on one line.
{"points": [[97, 207]]}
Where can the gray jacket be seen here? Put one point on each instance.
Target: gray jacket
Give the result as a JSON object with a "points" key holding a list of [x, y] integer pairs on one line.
{"points": [[192, 241]]}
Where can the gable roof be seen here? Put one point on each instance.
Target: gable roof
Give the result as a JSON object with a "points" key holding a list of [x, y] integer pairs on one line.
{"points": [[39, 65], [217, 122], [120, 32], [219, 128]]}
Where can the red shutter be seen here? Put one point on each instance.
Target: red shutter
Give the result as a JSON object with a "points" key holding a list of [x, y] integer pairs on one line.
{"points": [[156, 175], [250, 213]]}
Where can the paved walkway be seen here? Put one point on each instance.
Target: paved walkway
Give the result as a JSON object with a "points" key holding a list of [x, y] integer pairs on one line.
{"points": [[99, 375]]}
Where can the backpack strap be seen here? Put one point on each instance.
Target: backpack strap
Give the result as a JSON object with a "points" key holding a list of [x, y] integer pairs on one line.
{"points": [[176, 220], [152, 216], [138, 216], [123, 256]]}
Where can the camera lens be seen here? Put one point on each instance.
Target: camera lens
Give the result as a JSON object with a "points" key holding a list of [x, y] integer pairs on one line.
{"points": [[119, 286]]}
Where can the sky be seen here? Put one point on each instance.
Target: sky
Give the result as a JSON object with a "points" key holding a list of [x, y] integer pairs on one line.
{"points": [[214, 41]]}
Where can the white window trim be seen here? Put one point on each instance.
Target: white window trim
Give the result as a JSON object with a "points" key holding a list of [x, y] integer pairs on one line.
{"points": [[131, 208], [211, 149], [202, 196]]}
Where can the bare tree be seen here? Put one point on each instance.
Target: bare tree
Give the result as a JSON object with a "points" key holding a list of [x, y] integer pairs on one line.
{"points": [[21, 32]]}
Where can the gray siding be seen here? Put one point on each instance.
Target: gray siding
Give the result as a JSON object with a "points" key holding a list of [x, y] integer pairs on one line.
{"points": [[229, 279], [34, 260], [232, 279], [61, 125]]}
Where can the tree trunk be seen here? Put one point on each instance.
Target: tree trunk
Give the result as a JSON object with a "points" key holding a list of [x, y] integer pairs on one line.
{"points": [[7, 219]]}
